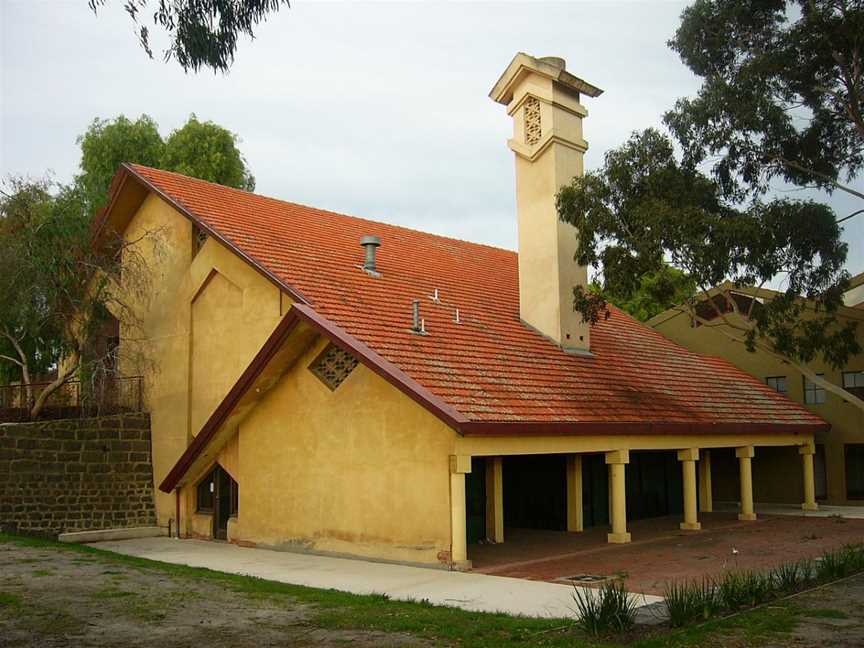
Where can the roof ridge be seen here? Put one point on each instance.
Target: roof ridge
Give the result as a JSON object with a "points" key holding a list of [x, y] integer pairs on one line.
{"points": [[444, 237]]}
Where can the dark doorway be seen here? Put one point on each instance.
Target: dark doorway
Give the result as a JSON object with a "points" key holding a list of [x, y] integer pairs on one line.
{"points": [[595, 490], [475, 501], [535, 492], [218, 494], [654, 486]]}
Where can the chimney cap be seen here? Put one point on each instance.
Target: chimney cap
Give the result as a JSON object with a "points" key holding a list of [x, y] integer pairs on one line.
{"points": [[370, 240], [551, 67], [557, 61]]}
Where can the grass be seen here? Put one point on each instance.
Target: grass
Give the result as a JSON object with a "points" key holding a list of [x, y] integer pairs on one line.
{"points": [[824, 613], [9, 600], [439, 625], [689, 600]]}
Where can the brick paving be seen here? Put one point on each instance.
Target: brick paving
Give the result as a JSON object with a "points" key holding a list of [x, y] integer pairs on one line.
{"points": [[661, 552]]}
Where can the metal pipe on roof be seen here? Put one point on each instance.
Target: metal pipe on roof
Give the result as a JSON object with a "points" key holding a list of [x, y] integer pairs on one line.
{"points": [[370, 243]]}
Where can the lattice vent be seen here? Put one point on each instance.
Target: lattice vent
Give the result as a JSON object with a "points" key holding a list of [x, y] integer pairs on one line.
{"points": [[333, 366], [532, 120]]}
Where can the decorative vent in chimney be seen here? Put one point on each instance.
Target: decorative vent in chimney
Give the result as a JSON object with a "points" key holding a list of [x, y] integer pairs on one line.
{"points": [[532, 120], [333, 365]]}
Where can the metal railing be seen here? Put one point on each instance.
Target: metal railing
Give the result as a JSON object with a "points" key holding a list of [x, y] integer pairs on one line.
{"points": [[73, 399]]}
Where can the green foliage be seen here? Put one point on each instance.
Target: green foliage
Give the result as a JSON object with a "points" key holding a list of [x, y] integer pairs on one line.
{"points": [[55, 285], [199, 149], [107, 144], [606, 610], [781, 92], [688, 601], [206, 150], [202, 32], [45, 260], [656, 292], [644, 209]]}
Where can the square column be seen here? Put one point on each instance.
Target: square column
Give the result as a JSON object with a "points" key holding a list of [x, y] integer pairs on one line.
{"points": [[745, 456], [617, 461], [688, 459], [460, 465], [575, 518], [706, 497], [807, 452], [494, 499]]}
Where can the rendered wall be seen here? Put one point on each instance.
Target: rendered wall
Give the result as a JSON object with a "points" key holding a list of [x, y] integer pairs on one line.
{"points": [[201, 324], [847, 422], [361, 470]]}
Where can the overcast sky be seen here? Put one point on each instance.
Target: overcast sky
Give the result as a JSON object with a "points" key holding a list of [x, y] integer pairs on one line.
{"points": [[379, 110]]}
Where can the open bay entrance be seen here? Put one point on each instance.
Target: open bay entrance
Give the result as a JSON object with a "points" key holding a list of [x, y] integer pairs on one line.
{"points": [[535, 491]]}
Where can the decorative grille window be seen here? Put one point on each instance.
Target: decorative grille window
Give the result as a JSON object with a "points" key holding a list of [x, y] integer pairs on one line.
{"points": [[532, 120], [333, 366], [199, 238]]}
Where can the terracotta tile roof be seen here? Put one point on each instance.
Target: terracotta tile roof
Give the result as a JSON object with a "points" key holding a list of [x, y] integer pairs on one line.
{"points": [[490, 367]]}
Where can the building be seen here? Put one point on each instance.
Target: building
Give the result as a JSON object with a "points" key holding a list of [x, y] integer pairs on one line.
{"points": [[839, 457], [326, 383]]}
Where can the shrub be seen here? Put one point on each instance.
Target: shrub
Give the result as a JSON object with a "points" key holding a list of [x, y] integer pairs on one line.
{"points": [[609, 609], [840, 563], [788, 576], [686, 601]]}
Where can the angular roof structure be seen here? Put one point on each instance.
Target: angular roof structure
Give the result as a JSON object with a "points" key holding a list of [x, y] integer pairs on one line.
{"points": [[487, 373]]}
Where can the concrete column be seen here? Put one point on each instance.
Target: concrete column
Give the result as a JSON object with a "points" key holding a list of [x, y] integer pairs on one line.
{"points": [[807, 452], [494, 499], [688, 459], [575, 519], [745, 456], [617, 461], [459, 466], [706, 498]]}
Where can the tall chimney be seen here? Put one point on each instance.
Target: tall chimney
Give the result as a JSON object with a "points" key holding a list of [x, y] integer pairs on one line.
{"points": [[543, 100]]}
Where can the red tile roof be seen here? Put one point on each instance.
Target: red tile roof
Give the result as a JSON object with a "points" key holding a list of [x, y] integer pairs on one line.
{"points": [[490, 367]]}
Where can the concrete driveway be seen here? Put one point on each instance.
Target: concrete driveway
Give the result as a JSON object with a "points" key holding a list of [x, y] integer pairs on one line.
{"points": [[469, 591]]}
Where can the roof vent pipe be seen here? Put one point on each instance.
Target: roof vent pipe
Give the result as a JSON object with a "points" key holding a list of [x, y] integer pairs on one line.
{"points": [[370, 243], [418, 324]]}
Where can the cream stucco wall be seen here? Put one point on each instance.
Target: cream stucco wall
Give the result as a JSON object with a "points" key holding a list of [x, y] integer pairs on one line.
{"points": [[202, 323], [362, 470], [771, 480]]}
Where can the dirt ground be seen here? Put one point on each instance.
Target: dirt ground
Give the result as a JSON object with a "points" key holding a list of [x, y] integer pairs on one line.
{"points": [[64, 598], [52, 597], [830, 616], [661, 552]]}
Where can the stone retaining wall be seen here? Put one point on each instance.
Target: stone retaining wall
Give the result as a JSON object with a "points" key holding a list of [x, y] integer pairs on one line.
{"points": [[76, 475]]}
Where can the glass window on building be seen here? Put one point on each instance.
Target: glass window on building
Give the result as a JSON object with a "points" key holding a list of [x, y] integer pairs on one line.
{"points": [[813, 393], [853, 382], [855, 471], [777, 383]]}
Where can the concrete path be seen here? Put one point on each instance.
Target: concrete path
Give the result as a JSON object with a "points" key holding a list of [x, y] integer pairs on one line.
{"points": [[825, 510], [469, 591]]}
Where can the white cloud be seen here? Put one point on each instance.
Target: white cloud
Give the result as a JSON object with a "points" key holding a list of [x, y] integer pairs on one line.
{"points": [[373, 109]]}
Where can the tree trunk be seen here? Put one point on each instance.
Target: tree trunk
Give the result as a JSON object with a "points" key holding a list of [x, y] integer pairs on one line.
{"points": [[62, 378]]}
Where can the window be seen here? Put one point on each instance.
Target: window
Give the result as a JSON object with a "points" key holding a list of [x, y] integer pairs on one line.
{"points": [[813, 393], [532, 120], [853, 382], [777, 383], [333, 366], [205, 490], [199, 238], [855, 471], [235, 504]]}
